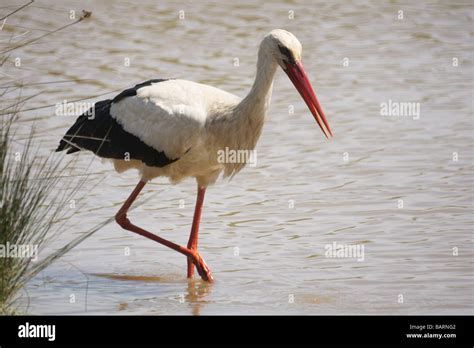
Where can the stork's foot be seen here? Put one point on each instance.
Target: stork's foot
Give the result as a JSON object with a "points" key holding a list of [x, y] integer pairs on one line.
{"points": [[201, 266]]}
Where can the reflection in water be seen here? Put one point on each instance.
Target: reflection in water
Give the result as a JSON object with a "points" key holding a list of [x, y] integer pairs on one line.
{"points": [[197, 292]]}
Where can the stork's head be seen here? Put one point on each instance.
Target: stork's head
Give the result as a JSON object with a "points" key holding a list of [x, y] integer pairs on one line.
{"points": [[286, 51]]}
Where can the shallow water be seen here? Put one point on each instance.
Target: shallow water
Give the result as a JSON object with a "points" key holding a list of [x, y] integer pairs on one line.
{"points": [[264, 233]]}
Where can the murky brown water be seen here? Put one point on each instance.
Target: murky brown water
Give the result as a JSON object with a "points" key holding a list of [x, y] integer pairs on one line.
{"points": [[305, 192]]}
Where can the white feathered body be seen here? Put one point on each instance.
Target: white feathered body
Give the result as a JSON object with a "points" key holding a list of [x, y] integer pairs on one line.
{"points": [[192, 122]]}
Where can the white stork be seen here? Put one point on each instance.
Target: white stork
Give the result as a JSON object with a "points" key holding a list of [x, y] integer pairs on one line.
{"points": [[175, 128]]}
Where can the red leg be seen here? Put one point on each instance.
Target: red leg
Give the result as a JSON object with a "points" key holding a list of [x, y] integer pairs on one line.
{"points": [[193, 255], [193, 237]]}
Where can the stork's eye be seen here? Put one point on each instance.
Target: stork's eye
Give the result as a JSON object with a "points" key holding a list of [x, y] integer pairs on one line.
{"points": [[288, 54]]}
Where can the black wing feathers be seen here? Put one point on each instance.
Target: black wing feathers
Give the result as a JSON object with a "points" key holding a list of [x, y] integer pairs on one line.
{"points": [[104, 136]]}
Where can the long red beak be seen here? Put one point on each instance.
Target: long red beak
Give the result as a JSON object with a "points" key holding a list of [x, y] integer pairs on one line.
{"points": [[299, 78]]}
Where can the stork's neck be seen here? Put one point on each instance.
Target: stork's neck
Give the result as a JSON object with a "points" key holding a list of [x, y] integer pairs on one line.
{"points": [[255, 104]]}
